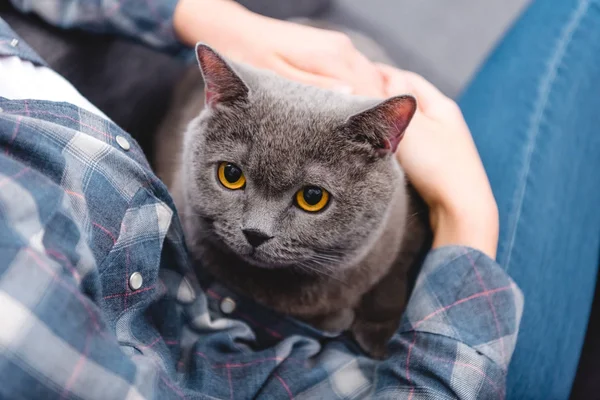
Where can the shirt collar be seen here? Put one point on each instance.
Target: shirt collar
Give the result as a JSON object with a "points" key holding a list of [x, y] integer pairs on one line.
{"points": [[12, 45]]}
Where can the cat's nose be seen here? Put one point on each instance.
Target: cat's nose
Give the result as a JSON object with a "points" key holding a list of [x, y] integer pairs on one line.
{"points": [[255, 237]]}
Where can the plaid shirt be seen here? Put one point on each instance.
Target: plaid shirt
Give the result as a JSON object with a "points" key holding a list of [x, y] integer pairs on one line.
{"points": [[148, 21], [98, 300]]}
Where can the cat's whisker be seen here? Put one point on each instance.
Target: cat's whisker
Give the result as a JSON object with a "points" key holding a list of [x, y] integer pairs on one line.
{"points": [[318, 271], [326, 265], [326, 257], [329, 262], [323, 268], [333, 253], [328, 274], [326, 261], [413, 216]]}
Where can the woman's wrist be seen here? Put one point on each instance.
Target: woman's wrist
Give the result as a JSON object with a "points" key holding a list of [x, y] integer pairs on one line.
{"points": [[475, 227]]}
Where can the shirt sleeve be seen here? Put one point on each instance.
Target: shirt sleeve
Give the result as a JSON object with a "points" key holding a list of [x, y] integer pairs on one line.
{"points": [[147, 21], [458, 332]]}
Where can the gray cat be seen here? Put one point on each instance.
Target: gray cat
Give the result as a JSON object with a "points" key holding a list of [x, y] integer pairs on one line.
{"points": [[291, 195]]}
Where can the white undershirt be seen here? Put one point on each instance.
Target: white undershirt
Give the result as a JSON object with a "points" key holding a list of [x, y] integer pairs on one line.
{"points": [[21, 79]]}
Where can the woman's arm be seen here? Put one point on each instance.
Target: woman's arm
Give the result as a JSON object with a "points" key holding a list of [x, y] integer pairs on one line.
{"points": [[461, 324], [458, 332], [442, 162], [306, 54]]}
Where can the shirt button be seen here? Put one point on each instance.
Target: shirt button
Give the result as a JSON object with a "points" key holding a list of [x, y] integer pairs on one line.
{"points": [[14, 42], [228, 305], [135, 281], [123, 143]]}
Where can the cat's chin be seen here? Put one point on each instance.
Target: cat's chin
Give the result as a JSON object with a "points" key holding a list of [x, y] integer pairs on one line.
{"points": [[310, 262], [260, 261]]}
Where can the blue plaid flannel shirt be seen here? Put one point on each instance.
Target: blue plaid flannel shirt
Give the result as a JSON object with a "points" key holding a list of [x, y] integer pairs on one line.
{"points": [[98, 300]]}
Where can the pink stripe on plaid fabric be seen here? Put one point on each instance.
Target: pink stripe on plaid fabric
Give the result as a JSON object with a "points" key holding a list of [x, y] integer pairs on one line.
{"points": [[412, 344], [103, 229], [105, 134], [151, 344], [74, 194], [174, 388], [239, 365], [230, 383], [83, 300], [17, 126], [113, 10], [78, 366], [68, 264], [14, 134], [11, 178], [285, 385], [491, 304], [475, 369], [124, 227], [127, 294], [73, 120], [475, 296]]}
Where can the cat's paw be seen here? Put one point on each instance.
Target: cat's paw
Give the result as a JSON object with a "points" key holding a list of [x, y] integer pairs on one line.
{"points": [[373, 337]]}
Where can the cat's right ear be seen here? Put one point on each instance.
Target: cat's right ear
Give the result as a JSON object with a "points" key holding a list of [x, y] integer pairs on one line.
{"points": [[221, 84], [383, 125]]}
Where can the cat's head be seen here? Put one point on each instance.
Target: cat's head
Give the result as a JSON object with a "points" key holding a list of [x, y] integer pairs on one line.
{"points": [[288, 175]]}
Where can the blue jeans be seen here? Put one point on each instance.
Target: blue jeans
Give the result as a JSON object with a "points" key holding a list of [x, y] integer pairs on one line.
{"points": [[534, 111]]}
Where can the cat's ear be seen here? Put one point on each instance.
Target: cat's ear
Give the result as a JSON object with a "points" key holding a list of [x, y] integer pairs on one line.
{"points": [[383, 125], [221, 84]]}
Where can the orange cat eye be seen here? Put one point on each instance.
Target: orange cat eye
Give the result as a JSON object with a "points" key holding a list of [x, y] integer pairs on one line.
{"points": [[312, 198], [231, 176]]}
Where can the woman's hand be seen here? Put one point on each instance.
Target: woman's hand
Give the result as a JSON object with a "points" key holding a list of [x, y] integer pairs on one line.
{"points": [[440, 158], [315, 56]]}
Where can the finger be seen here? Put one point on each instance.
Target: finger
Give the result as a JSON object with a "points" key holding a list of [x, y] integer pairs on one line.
{"points": [[354, 69], [290, 72], [425, 89], [429, 98], [332, 68], [395, 81], [367, 79], [345, 64]]}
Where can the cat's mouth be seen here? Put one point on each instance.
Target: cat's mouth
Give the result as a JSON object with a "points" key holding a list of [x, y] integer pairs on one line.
{"points": [[271, 256], [255, 256], [265, 259], [261, 259]]}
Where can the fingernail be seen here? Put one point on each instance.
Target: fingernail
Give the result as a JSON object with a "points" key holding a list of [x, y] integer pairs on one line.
{"points": [[344, 89]]}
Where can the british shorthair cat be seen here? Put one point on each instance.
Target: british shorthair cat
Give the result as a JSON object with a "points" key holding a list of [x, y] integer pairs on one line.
{"points": [[291, 195]]}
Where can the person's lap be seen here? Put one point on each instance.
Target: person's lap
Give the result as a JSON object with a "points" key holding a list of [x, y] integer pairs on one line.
{"points": [[534, 111]]}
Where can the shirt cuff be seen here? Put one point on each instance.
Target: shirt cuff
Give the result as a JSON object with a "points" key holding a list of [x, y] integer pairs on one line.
{"points": [[463, 294]]}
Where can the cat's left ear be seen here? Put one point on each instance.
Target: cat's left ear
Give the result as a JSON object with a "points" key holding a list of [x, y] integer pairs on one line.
{"points": [[221, 84], [384, 124]]}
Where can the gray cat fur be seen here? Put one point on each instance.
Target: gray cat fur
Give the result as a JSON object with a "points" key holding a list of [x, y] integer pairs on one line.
{"points": [[325, 268]]}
